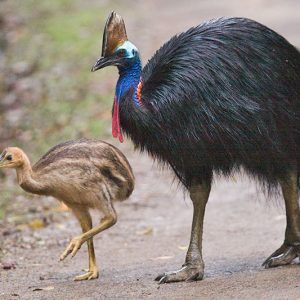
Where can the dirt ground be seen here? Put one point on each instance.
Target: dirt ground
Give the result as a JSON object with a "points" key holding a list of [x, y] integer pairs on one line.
{"points": [[152, 233]]}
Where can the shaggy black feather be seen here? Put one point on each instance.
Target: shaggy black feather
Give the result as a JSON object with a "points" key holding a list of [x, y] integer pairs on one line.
{"points": [[220, 96]]}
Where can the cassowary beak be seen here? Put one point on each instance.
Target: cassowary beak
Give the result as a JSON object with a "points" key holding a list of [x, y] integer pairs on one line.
{"points": [[106, 61], [101, 63]]}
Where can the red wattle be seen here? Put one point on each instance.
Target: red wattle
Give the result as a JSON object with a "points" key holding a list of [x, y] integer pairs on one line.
{"points": [[114, 119], [116, 129]]}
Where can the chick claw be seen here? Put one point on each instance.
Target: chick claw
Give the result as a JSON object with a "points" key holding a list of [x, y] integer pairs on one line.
{"points": [[72, 249], [91, 274]]}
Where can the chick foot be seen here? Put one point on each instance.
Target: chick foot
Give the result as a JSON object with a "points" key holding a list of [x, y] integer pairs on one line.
{"points": [[73, 247], [282, 256], [91, 274], [188, 272]]}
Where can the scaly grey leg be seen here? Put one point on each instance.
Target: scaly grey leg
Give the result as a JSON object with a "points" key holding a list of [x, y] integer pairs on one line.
{"points": [[291, 246], [193, 268]]}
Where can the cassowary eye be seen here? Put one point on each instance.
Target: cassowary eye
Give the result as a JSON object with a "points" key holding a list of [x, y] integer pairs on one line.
{"points": [[122, 53], [8, 157]]}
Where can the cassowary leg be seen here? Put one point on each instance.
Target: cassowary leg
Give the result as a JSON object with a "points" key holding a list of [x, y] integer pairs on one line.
{"points": [[291, 246], [107, 221], [193, 268], [85, 220]]}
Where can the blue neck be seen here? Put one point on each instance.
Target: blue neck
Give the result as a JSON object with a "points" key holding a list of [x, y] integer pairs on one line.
{"points": [[129, 78]]}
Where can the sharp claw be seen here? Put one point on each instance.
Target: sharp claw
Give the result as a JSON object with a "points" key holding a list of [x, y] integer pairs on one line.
{"points": [[186, 273], [193, 277], [159, 277], [88, 276], [163, 280], [283, 256], [267, 263], [65, 254], [91, 277], [74, 251]]}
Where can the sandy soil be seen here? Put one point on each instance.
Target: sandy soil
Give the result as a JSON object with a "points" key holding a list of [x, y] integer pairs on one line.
{"points": [[152, 233]]}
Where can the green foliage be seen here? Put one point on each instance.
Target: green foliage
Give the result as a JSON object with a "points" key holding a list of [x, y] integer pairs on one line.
{"points": [[60, 40]]}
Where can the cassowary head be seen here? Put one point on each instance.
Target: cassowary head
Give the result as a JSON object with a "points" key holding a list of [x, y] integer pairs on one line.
{"points": [[11, 157], [116, 49]]}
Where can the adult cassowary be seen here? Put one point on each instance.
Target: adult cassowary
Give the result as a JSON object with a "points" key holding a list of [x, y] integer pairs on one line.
{"points": [[220, 96]]}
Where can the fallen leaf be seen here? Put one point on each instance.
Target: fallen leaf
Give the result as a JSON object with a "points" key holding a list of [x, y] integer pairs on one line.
{"points": [[36, 224], [184, 248], [162, 257], [147, 231], [8, 265], [47, 288]]}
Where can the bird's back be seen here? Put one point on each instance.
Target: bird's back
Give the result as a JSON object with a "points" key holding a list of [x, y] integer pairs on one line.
{"points": [[84, 165], [230, 53], [223, 94]]}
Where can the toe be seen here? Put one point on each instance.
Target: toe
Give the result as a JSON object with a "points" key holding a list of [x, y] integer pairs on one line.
{"points": [[74, 251], [170, 278], [283, 256], [82, 277], [160, 276], [65, 254], [88, 276], [187, 273], [196, 276], [94, 273], [278, 252], [93, 276]]}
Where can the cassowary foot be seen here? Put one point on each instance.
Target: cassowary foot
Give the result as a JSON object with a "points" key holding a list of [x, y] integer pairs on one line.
{"points": [[91, 274], [188, 272], [73, 247], [283, 256]]}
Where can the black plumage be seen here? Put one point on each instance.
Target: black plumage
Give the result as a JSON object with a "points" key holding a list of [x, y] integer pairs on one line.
{"points": [[222, 95], [219, 97]]}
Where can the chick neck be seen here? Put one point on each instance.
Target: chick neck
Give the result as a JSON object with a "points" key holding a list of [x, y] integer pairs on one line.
{"points": [[26, 179]]}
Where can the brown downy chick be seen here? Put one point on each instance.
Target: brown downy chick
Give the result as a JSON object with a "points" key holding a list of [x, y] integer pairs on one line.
{"points": [[83, 174]]}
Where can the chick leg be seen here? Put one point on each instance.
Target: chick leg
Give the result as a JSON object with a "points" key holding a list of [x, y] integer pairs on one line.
{"points": [[85, 221], [291, 246], [193, 268], [107, 221]]}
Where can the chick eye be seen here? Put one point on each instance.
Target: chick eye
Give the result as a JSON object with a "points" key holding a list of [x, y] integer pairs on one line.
{"points": [[121, 53], [8, 157]]}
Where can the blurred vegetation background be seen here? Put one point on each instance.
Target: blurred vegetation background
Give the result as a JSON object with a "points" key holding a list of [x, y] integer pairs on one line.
{"points": [[47, 92]]}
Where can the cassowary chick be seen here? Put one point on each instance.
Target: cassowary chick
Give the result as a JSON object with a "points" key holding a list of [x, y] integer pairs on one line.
{"points": [[83, 174]]}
